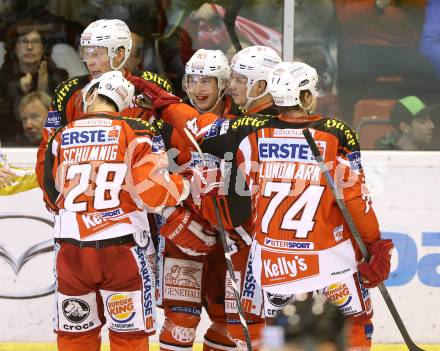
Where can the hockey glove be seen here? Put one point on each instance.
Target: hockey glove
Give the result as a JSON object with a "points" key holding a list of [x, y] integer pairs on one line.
{"points": [[189, 232], [204, 181], [378, 269], [159, 96]]}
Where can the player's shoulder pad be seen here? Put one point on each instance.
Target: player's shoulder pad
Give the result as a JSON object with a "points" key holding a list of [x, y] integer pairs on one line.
{"points": [[159, 80], [64, 91], [348, 138], [138, 124]]}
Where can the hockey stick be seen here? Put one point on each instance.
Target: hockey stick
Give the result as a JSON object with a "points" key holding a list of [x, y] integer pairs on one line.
{"points": [[229, 20], [229, 265], [357, 237]]}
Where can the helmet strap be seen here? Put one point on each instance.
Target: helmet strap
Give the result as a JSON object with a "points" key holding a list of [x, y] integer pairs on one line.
{"points": [[92, 99], [249, 99], [112, 56], [307, 108]]}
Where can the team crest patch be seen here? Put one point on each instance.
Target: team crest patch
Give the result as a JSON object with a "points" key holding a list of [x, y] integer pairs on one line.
{"points": [[158, 143], [215, 128], [183, 280], [355, 160], [53, 120]]}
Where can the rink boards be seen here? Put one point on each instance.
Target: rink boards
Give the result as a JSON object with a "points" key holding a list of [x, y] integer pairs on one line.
{"points": [[405, 190]]}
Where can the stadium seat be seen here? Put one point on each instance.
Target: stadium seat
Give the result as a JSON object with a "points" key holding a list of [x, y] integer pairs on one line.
{"points": [[371, 120]]}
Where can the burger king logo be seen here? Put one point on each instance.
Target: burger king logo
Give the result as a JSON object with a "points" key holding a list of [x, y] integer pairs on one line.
{"points": [[338, 294], [120, 307]]}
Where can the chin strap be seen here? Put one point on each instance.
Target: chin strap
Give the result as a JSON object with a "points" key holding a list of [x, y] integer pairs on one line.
{"points": [[93, 98], [308, 108], [250, 100]]}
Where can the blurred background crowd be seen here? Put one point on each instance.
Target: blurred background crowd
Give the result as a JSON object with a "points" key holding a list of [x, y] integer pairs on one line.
{"points": [[379, 60]]}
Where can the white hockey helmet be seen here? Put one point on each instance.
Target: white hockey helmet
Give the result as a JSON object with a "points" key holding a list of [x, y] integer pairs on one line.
{"points": [[211, 63], [255, 63], [114, 86], [288, 79], [108, 33]]}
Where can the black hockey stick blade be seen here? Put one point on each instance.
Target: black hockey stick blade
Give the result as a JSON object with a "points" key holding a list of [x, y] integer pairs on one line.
{"points": [[357, 237], [229, 20]]}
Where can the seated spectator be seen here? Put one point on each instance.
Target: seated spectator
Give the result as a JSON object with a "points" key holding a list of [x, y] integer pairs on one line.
{"points": [[413, 127], [430, 40], [309, 323], [32, 110], [434, 113], [27, 68], [378, 54], [57, 28]]}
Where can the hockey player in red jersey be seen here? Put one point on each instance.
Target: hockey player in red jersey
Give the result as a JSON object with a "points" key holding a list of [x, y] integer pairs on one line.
{"points": [[195, 247], [251, 68], [105, 46], [100, 172], [301, 242]]}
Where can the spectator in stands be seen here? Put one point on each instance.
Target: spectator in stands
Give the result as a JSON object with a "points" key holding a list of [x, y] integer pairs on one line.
{"points": [[309, 323], [57, 28], [27, 68], [413, 127], [32, 110], [378, 55], [430, 40], [435, 118]]}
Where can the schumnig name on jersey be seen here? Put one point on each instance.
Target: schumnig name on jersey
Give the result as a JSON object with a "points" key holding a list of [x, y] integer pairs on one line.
{"points": [[90, 153]]}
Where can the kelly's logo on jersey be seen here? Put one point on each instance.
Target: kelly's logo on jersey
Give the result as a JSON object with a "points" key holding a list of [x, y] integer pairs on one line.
{"points": [[280, 268], [90, 136], [286, 149]]}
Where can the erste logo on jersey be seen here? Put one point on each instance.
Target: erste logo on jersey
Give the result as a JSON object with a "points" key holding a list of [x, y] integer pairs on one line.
{"points": [[120, 307], [91, 136], [287, 149]]}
